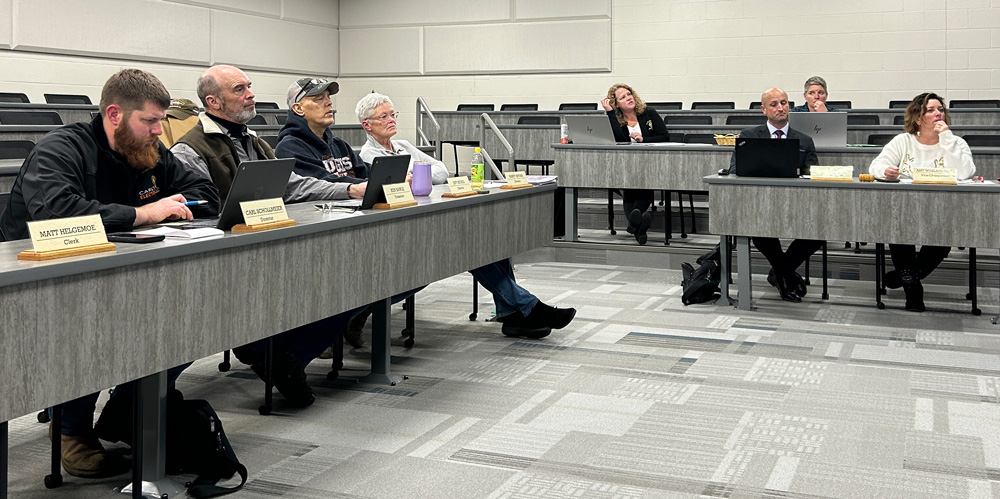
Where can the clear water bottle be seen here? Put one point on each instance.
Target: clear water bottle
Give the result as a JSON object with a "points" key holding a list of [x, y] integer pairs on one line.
{"points": [[477, 170]]}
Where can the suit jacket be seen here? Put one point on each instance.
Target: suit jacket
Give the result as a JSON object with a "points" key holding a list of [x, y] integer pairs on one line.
{"points": [[807, 150]]}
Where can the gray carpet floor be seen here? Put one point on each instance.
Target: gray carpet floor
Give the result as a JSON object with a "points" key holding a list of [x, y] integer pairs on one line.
{"points": [[640, 397]]}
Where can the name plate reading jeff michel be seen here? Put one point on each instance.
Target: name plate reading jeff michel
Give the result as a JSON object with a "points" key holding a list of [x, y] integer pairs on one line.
{"points": [[66, 233], [263, 211], [935, 176], [459, 185]]}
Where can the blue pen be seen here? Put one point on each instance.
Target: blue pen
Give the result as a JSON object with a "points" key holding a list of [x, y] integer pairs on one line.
{"points": [[195, 203]]}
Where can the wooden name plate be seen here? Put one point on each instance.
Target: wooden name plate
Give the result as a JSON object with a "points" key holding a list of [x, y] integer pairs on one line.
{"points": [[459, 194], [276, 224], [52, 254], [393, 206], [515, 186], [459, 187]]}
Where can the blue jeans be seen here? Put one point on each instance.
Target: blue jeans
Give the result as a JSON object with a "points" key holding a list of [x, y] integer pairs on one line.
{"points": [[78, 414], [509, 297]]}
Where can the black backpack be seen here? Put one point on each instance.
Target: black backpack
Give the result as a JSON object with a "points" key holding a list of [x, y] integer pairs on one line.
{"points": [[196, 442], [702, 284]]}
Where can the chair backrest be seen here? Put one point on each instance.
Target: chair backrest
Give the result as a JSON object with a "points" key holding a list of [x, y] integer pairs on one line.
{"points": [[863, 119], [15, 149], [687, 120], [880, 139], [538, 120], [267, 105], [67, 99], [30, 118], [898, 104], [974, 103], [272, 140], [746, 119], [281, 118], [898, 120], [713, 105], [13, 97], [519, 107], [758, 105], [475, 107], [257, 120], [839, 104], [698, 138], [4, 199], [665, 106], [982, 140], [94, 114], [578, 106]]}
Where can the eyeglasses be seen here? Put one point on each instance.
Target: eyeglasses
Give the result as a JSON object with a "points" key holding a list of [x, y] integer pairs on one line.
{"points": [[384, 117], [307, 84]]}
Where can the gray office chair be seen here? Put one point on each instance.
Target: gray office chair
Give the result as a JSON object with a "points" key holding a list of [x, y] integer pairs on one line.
{"points": [[466, 143], [746, 119], [713, 105], [697, 138], [578, 106], [30, 118], [880, 139], [272, 140], [257, 120], [682, 119], [267, 105], [519, 107], [281, 118], [974, 103], [758, 105], [665, 106], [898, 104], [982, 140], [15, 149], [898, 120], [67, 99], [545, 164], [14, 98], [863, 119], [839, 104]]}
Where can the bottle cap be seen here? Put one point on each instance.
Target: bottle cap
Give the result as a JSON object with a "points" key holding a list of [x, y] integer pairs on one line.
{"points": [[478, 150]]}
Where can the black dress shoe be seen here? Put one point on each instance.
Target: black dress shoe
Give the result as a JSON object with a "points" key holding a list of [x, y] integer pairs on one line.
{"points": [[287, 375], [645, 220], [914, 291], [785, 288], [799, 284], [892, 279]]}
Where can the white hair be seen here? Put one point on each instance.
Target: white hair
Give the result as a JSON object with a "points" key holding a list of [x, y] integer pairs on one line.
{"points": [[367, 104]]}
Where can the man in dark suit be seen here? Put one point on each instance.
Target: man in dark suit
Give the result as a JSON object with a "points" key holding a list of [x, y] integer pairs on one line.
{"points": [[790, 285]]}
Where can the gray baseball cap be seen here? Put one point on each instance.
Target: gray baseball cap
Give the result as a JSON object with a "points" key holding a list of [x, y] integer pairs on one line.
{"points": [[308, 87]]}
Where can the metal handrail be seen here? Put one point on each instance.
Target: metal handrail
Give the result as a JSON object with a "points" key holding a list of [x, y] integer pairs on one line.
{"points": [[424, 110], [487, 121]]}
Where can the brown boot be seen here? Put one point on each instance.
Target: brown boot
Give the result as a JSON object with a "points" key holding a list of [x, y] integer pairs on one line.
{"points": [[85, 457]]}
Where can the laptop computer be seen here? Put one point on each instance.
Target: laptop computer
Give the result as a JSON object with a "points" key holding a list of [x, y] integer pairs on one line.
{"points": [[385, 170], [264, 179], [826, 129], [593, 130], [767, 157]]}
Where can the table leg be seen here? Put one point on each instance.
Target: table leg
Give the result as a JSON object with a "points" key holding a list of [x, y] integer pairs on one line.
{"points": [[151, 448], [3, 460], [744, 273], [973, 288], [724, 251], [571, 198], [381, 341]]}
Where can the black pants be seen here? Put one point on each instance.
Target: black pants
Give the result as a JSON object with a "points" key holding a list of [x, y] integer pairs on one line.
{"points": [[785, 262], [636, 199], [906, 257]]}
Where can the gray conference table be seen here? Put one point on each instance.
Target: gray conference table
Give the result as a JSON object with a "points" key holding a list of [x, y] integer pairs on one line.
{"points": [[681, 167], [78, 325], [942, 215]]}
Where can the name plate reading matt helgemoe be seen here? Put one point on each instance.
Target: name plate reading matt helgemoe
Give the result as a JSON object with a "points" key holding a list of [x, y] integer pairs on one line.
{"points": [[67, 233], [947, 176], [516, 180], [460, 186], [832, 173], [263, 211]]}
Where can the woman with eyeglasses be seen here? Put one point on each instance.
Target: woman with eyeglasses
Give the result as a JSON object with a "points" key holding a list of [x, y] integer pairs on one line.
{"points": [[378, 118], [927, 142], [632, 121]]}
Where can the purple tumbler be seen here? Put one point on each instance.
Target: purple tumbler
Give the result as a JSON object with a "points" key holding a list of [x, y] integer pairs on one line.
{"points": [[421, 179]]}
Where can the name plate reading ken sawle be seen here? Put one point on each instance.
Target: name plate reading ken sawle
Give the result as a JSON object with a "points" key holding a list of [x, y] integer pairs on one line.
{"points": [[832, 173], [947, 176], [67, 233], [263, 211], [398, 194]]}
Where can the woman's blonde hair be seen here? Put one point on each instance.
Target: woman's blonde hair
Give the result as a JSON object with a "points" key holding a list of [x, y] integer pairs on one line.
{"points": [[640, 106], [915, 111]]}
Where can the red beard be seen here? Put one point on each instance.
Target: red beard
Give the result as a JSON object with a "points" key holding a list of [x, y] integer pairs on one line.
{"points": [[138, 153]]}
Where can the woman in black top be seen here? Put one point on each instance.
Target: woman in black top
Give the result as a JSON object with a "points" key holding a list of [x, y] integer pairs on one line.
{"points": [[632, 121]]}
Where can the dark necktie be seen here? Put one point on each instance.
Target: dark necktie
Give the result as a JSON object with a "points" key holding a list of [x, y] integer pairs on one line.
{"points": [[778, 134]]}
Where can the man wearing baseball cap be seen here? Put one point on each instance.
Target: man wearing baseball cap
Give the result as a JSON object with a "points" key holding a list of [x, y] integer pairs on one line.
{"points": [[307, 137]]}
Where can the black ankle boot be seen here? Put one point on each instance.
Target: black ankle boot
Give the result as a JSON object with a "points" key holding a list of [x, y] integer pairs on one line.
{"points": [[914, 291]]}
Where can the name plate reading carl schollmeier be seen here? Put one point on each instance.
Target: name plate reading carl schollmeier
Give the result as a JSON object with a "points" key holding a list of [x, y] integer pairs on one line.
{"points": [[263, 211], [844, 173], [459, 185], [517, 179], [935, 176], [66, 233], [397, 193]]}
